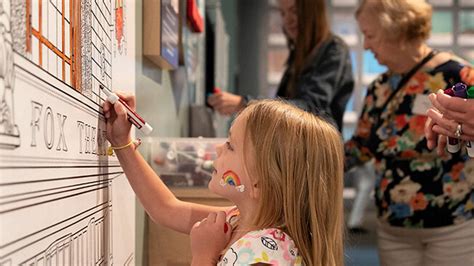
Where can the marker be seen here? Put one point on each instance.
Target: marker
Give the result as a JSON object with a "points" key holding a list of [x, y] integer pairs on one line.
{"points": [[449, 91], [470, 144], [216, 90], [132, 116], [460, 90], [453, 144]]}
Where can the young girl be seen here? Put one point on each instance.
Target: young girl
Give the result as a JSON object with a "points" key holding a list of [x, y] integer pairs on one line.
{"points": [[282, 168]]}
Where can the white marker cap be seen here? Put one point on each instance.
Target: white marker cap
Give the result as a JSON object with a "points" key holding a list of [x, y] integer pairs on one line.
{"points": [[453, 148], [111, 97], [146, 129]]}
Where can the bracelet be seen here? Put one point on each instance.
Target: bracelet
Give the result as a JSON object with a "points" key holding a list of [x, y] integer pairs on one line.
{"points": [[111, 149]]}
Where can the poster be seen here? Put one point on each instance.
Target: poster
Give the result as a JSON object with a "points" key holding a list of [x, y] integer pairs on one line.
{"points": [[63, 201]]}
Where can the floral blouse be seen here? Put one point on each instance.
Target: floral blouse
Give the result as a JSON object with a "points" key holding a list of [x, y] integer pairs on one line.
{"points": [[415, 187], [270, 246]]}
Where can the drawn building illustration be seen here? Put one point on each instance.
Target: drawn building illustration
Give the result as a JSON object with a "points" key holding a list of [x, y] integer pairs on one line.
{"points": [[9, 134], [63, 201]]}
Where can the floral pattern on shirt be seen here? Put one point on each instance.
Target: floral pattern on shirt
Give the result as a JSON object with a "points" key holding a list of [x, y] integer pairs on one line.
{"points": [[415, 187]]}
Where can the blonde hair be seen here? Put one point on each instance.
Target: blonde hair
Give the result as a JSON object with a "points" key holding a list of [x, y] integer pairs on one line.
{"points": [[299, 174], [403, 20]]}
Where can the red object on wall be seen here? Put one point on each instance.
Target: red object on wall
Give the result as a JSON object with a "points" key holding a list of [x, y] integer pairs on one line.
{"points": [[195, 19]]}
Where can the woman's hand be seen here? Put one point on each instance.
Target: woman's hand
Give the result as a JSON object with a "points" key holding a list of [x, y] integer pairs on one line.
{"points": [[433, 138], [448, 112], [118, 127], [225, 103], [209, 237]]}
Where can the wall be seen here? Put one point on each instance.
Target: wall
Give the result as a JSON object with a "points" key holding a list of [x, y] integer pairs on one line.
{"points": [[163, 99], [62, 199], [164, 96], [252, 45]]}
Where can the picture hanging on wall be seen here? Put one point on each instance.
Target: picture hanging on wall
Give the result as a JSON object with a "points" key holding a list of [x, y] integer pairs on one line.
{"points": [[161, 32]]}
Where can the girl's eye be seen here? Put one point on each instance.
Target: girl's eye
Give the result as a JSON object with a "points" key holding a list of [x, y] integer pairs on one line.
{"points": [[229, 147]]}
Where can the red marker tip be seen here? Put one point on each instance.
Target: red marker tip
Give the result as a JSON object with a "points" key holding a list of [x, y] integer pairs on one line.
{"points": [[449, 91]]}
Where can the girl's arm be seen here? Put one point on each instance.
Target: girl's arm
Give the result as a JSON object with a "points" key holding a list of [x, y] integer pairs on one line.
{"points": [[159, 202]]}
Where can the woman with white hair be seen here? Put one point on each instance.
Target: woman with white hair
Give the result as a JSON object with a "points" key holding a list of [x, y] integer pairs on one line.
{"points": [[425, 202]]}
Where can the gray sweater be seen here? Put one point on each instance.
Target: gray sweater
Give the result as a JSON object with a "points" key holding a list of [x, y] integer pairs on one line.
{"points": [[326, 82]]}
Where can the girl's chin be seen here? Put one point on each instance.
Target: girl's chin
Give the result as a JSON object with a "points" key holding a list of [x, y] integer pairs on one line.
{"points": [[214, 186]]}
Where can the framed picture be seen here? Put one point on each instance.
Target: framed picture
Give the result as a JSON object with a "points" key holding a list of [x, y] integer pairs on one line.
{"points": [[161, 32]]}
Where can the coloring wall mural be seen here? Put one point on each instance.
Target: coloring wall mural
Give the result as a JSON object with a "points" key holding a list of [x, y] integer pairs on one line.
{"points": [[63, 201]]}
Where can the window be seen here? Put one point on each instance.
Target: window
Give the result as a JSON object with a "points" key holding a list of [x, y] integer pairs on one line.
{"points": [[53, 38]]}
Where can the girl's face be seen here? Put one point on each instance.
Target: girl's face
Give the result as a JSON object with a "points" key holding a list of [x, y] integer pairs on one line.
{"points": [[289, 17], [385, 51], [229, 178]]}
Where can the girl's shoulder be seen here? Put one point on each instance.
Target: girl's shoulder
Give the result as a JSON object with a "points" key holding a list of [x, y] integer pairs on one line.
{"points": [[271, 245]]}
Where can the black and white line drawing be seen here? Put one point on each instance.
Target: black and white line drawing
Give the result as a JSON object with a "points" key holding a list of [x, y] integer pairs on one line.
{"points": [[86, 46], [18, 18], [103, 67], [9, 132], [57, 204]]}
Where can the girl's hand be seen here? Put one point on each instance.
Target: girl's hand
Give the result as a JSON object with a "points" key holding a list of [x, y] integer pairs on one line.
{"points": [[118, 127], [209, 237]]}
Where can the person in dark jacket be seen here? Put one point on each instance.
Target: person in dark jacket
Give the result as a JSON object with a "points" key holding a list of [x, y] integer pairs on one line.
{"points": [[318, 77]]}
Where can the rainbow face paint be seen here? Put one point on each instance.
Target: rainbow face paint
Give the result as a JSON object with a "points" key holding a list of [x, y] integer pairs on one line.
{"points": [[231, 178]]}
